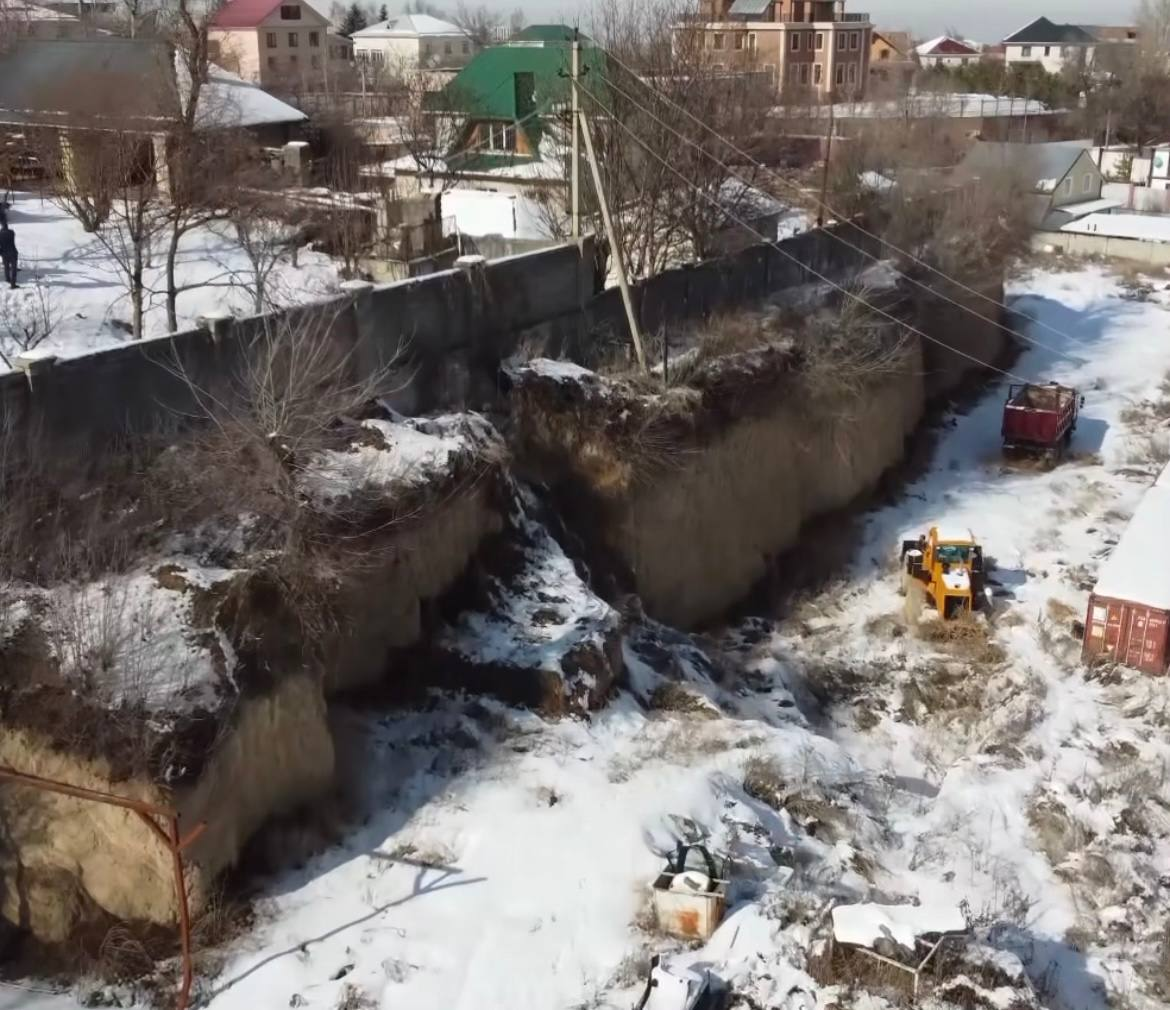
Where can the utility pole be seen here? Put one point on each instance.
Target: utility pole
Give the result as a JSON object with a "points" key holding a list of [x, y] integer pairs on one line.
{"points": [[614, 246], [825, 171], [576, 119]]}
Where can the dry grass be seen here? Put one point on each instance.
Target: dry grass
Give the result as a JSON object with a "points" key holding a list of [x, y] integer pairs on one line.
{"points": [[967, 638], [1060, 612], [763, 780], [673, 697]]}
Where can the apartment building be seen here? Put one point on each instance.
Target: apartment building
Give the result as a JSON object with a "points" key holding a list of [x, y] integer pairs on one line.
{"points": [[808, 48], [277, 43]]}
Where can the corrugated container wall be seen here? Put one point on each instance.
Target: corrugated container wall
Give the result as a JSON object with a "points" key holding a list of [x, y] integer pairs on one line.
{"points": [[1128, 633]]}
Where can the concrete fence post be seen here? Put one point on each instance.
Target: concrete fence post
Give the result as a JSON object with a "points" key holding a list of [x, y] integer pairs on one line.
{"points": [[217, 322], [34, 363]]}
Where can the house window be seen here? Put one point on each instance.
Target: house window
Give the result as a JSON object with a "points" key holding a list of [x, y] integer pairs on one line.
{"points": [[271, 62], [270, 40], [884, 54], [792, 68], [964, 61], [795, 44], [315, 60], [820, 41], [293, 40], [446, 48], [314, 40], [290, 12], [1087, 183], [817, 71], [841, 40], [804, 73], [718, 40], [738, 40], [466, 48], [840, 75], [752, 41], [293, 59], [501, 137], [1067, 187], [770, 70], [1048, 50], [855, 40], [426, 49], [852, 73], [1025, 51]]}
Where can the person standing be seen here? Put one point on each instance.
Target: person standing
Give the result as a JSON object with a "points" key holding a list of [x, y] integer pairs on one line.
{"points": [[8, 254]]}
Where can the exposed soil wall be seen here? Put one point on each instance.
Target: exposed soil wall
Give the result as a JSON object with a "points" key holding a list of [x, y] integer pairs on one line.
{"points": [[66, 860], [698, 537], [952, 315]]}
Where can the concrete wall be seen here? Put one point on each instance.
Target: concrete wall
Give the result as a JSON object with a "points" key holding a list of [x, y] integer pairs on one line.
{"points": [[1075, 244], [445, 335]]}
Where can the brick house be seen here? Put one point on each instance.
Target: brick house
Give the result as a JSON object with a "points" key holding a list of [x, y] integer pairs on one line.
{"points": [[808, 48], [277, 43]]}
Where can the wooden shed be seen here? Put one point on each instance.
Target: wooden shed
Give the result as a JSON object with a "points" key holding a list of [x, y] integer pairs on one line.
{"points": [[1129, 609]]}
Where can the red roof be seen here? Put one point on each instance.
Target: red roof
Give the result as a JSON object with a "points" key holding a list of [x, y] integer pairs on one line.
{"points": [[243, 13], [949, 47]]}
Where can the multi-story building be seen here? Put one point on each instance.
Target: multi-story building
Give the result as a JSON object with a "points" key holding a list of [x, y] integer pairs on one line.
{"points": [[410, 42], [808, 48], [277, 43]]}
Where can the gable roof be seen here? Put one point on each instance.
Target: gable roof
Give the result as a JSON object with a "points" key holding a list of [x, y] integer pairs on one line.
{"points": [[128, 84], [1044, 32], [252, 13], [1043, 165], [900, 42], [408, 25], [944, 45], [486, 87]]}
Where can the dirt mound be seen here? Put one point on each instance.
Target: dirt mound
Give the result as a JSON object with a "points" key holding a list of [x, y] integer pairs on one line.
{"points": [[526, 627]]}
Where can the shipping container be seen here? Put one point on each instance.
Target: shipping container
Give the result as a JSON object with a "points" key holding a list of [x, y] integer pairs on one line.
{"points": [[1132, 634]]}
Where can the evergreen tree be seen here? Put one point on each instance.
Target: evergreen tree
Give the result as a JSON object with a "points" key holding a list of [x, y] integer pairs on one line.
{"points": [[383, 14], [354, 21]]}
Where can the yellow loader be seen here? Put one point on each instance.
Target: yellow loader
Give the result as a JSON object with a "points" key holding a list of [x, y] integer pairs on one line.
{"points": [[948, 566]]}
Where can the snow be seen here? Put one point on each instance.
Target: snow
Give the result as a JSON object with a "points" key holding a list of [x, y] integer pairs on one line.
{"points": [[401, 454], [1135, 571], [1088, 207], [68, 270], [861, 925], [946, 105], [501, 860], [562, 371], [1144, 227]]}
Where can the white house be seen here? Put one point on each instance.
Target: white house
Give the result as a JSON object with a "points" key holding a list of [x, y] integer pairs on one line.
{"points": [[948, 52], [1055, 46], [414, 42]]}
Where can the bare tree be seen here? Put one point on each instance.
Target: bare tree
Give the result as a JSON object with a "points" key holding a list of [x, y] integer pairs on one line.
{"points": [[480, 23], [27, 319]]}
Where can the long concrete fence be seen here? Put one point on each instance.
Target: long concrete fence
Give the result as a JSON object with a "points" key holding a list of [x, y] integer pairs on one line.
{"points": [[440, 338]]}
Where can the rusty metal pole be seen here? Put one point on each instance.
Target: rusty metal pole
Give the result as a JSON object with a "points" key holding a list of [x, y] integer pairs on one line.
{"points": [[172, 840], [184, 915]]}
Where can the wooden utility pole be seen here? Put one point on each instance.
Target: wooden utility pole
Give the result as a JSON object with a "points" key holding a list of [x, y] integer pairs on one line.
{"points": [[614, 245], [576, 119]]}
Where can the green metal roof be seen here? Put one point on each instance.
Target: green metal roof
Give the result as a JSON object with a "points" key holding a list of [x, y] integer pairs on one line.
{"points": [[486, 88]]}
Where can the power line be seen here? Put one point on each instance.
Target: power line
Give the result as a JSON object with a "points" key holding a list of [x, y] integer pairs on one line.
{"points": [[826, 206], [784, 252], [856, 248]]}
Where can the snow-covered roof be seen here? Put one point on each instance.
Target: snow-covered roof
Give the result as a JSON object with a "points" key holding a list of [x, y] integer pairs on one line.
{"points": [[955, 535], [946, 45], [956, 105], [1088, 207], [862, 925], [409, 25], [228, 100], [1135, 571], [1144, 227]]}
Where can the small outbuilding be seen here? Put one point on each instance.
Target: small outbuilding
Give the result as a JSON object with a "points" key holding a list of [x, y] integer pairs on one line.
{"points": [[1129, 608]]}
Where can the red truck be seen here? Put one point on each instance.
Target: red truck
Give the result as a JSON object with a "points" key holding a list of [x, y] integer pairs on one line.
{"points": [[1040, 418]]}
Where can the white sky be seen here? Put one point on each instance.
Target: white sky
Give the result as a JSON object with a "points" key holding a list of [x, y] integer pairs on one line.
{"points": [[982, 20]]}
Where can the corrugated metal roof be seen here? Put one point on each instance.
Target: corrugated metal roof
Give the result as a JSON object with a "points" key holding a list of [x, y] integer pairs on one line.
{"points": [[747, 8], [243, 13], [547, 33]]}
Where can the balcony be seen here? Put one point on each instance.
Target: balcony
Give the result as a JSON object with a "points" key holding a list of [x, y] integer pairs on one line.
{"points": [[855, 17]]}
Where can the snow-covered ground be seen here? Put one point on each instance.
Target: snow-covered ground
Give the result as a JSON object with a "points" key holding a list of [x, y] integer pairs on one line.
{"points": [[69, 271], [505, 860]]}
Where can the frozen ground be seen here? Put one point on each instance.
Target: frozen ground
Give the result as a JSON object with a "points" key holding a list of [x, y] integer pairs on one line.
{"points": [[73, 274], [505, 860]]}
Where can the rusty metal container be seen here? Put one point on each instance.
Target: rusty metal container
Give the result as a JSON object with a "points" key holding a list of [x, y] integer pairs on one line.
{"points": [[689, 903], [1131, 634]]}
